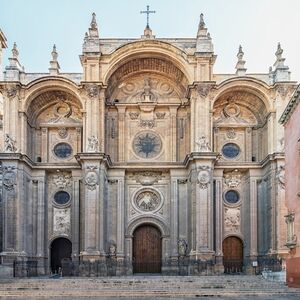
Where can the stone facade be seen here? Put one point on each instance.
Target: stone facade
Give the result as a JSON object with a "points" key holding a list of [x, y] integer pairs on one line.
{"points": [[290, 179], [147, 134]]}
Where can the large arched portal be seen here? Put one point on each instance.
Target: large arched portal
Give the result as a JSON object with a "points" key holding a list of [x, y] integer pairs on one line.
{"points": [[147, 249], [233, 255], [61, 248]]}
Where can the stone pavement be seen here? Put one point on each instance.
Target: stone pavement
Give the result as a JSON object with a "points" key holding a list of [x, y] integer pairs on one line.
{"points": [[240, 287]]}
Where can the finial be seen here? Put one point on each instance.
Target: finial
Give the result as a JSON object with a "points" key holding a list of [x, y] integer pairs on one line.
{"points": [[54, 53], [14, 51], [240, 65], [201, 23], [279, 51], [240, 54], [94, 23]]}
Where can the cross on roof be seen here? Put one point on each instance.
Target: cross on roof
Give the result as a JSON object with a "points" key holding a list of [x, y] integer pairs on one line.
{"points": [[148, 12]]}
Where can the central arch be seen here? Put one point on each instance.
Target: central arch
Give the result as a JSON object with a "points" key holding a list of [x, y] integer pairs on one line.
{"points": [[147, 249]]}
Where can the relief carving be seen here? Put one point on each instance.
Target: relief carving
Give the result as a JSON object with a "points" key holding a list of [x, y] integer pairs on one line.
{"points": [[232, 219], [291, 236], [233, 179], [61, 221], [203, 177], [147, 200], [92, 90], [11, 91], [160, 115], [93, 144], [91, 178], [147, 177], [147, 123], [62, 132], [62, 180], [231, 134], [204, 90], [134, 115], [280, 174], [9, 144], [9, 178], [203, 144]]}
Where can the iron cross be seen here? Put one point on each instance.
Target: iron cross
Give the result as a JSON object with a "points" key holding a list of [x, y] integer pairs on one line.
{"points": [[147, 12]]}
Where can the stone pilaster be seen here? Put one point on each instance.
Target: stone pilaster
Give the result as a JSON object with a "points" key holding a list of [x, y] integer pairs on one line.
{"points": [[94, 173], [174, 217], [218, 176]]}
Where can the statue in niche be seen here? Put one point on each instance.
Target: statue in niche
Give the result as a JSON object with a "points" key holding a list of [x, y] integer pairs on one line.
{"points": [[147, 96], [112, 249], [203, 144], [9, 144], [93, 144], [182, 247]]}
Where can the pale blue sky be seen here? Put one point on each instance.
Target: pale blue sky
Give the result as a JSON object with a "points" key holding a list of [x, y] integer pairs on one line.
{"points": [[35, 25]]}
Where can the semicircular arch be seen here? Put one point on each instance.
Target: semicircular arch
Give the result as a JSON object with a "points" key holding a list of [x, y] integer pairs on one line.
{"points": [[151, 220]]}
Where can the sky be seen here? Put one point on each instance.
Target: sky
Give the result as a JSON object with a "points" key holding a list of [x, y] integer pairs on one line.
{"points": [[258, 25]]}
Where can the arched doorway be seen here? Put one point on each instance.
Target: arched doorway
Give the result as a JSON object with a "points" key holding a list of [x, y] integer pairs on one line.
{"points": [[233, 255], [61, 248], [147, 249]]}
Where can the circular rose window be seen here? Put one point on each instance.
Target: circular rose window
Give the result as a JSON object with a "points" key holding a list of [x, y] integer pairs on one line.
{"points": [[147, 200], [232, 197], [62, 150], [231, 150], [147, 144], [61, 198]]}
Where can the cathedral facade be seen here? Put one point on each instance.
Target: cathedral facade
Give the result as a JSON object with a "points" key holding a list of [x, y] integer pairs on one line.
{"points": [[147, 158]]}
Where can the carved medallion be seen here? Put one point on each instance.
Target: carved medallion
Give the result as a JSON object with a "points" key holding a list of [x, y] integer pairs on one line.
{"points": [[92, 90], [91, 178], [147, 200], [62, 132], [9, 178], [231, 134], [147, 144], [203, 177]]}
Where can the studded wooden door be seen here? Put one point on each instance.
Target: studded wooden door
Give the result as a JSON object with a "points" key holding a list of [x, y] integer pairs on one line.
{"points": [[233, 255], [147, 250]]}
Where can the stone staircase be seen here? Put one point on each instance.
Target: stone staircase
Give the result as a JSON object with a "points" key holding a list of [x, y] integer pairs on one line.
{"points": [[142, 287]]}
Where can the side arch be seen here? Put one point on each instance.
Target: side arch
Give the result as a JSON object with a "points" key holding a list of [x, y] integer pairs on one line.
{"points": [[49, 84]]}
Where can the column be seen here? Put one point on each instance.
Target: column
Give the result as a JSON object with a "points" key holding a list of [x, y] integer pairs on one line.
{"points": [[41, 218]]}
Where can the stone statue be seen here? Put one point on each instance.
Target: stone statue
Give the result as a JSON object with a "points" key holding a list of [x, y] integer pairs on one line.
{"points": [[93, 144], [182, 247], [112, 249], [9, 144], [203, 145]]}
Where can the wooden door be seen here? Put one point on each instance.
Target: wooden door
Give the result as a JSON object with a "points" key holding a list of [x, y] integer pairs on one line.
{"points": [[233, 255], [147, 250]]}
